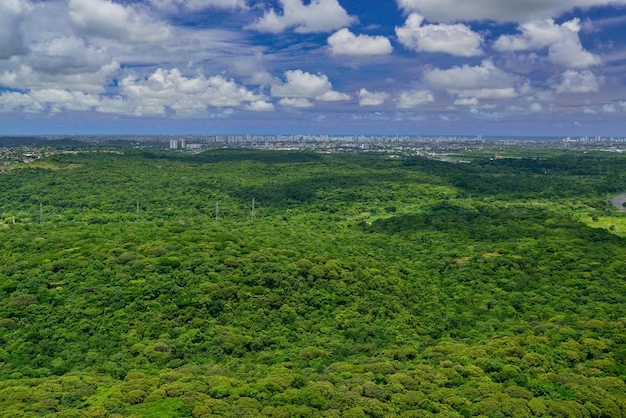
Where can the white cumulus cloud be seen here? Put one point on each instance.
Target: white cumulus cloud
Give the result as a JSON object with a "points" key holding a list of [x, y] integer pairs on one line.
{"points": [[301, 84], [298, 102], [344, 42], [498, 10], [609, 108], [50, 100], [260, 106], [372, 98], [562, 41], [455, 39], [112, 20], [536, 107], [333, 96], [473, 101], [61, 63], [484, 81], [66, 55], [263, 78], [197, 5], [11, 101], [579, 82], [315, 17], [26, 77], [12, 14], [162, 92], [65, 100], [187, 96], [414, 98]]}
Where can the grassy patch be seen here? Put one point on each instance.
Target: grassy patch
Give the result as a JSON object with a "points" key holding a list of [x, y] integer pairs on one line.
{"points": [[615, 225], [45, 165]]}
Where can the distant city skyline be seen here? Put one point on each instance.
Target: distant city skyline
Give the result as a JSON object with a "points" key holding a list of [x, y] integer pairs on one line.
{"points": [[185, 140], [453, 67]]}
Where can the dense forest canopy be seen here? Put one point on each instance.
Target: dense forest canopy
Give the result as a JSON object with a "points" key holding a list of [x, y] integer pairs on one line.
{"points": [[360, 286]]}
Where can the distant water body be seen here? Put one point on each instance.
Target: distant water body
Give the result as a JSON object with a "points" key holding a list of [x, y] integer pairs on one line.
{"points": [[523, 138], [618, 202]]}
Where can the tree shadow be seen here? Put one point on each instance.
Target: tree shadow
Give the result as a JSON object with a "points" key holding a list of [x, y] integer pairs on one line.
{"points": [[491, 224], [230, 155]]}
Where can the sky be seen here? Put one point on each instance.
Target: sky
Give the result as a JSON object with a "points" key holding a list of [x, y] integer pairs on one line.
{"points": [[409, 67]]}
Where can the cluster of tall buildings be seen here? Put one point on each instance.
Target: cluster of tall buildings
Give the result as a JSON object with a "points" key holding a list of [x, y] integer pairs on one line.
{"points": [[174, 143]]}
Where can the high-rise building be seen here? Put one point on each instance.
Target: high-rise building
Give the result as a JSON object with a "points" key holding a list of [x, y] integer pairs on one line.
{"points": [[183, 143], [173, 144]]}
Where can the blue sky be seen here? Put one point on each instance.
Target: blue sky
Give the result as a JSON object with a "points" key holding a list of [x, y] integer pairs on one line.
{"points": [[490, 67]]}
